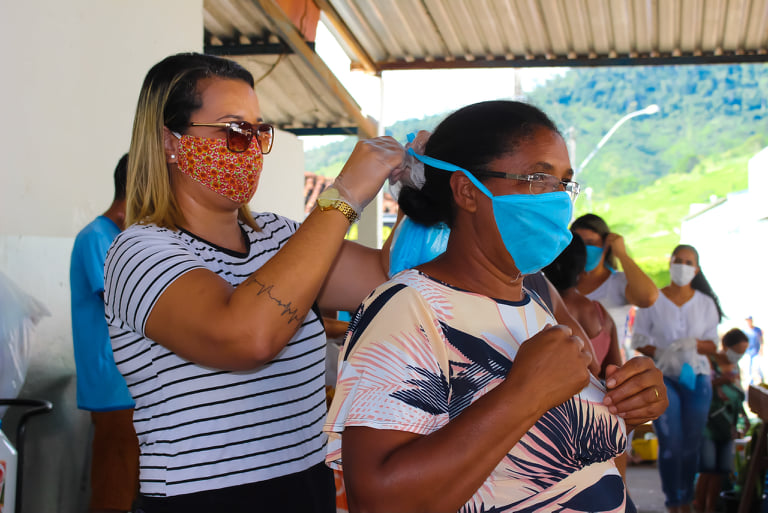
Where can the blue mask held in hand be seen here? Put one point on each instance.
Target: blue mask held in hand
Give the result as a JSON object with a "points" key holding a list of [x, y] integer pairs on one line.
{"points": [[533, 227], [594, 253], [687, 377]]}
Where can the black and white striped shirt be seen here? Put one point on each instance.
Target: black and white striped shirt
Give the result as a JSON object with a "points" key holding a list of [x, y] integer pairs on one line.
{"points": [[201, 428]]}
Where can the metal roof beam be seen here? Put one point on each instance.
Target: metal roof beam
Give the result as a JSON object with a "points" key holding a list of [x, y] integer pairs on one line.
{"points": [[288, 33], [330, 130], [251, 49], [661, 60]]}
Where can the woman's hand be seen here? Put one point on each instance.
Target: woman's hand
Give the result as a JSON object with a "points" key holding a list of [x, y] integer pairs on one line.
{"points": [[616, 243], [640, 291], [636, 391], [647, 350], [706, 346], [406, 173], [371, 162], [553, 365]]}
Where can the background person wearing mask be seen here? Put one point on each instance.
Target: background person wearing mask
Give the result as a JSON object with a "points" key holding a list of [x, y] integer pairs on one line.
{"points": [[616, 290], [678, 331], [101, 388], [591, 315], [564, 273]]}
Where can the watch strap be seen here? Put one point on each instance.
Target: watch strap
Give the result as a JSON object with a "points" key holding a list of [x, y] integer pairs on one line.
{"points": [[331, 199]]}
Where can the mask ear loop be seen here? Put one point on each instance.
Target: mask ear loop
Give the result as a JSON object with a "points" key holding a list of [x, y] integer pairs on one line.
{"points": [[447, 166]]}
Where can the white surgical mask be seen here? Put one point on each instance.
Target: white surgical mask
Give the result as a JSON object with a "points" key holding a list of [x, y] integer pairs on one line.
{"points": [[681, 274], [733, 356]]}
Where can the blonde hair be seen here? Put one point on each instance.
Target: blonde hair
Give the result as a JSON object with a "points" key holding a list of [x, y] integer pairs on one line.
{"points": [[167, 99]]}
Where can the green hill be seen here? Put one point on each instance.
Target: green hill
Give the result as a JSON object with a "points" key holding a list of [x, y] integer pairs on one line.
{"points": [[704, 111]]}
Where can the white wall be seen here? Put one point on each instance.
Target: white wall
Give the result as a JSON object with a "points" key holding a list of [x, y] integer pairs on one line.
{"points": [[282, 179], [71, 77], [732, 241]]}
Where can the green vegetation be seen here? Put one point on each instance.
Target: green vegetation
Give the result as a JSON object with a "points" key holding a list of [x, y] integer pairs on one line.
{"points": [[704, 111], [650, 218], [712, 119]]}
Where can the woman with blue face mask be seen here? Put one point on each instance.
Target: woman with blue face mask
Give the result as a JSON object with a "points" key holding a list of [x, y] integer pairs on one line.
{"points": [[616, 290], [457, 391], [678, 331]]}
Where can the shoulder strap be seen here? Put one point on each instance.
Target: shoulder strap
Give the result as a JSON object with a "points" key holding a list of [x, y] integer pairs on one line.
{"points": [[599, 309]]}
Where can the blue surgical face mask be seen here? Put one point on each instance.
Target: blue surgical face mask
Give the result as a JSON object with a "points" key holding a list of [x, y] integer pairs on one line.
{"points": [[594, 254], [533, 227]]}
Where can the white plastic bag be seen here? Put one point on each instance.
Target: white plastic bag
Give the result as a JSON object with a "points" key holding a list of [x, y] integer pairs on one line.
{"points": [[19, 314], [670, 359]]}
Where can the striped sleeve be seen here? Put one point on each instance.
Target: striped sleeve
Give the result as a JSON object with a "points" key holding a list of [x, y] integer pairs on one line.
{"points": [[142, 262]]}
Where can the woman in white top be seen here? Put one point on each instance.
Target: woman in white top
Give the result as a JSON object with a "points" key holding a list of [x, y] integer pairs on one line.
{"points": [[617, 291], [678, 331]]}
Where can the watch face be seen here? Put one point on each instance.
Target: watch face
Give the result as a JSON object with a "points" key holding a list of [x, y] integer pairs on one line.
{"points": [[326, 204], [331, 193]]}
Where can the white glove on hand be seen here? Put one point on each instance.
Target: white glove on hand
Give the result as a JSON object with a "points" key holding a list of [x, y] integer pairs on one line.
{"points": [[411, 171], [670, 359], [370, 164]]}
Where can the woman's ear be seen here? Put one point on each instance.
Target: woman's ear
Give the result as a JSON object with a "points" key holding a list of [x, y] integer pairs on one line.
{"points": [[464, 192], [170, 146]]}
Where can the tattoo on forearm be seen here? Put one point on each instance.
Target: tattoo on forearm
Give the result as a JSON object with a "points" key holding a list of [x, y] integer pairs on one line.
{"points": [[288, 308]]}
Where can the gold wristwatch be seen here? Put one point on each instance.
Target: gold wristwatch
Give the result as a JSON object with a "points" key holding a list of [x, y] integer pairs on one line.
{"points": [[330, 199]]}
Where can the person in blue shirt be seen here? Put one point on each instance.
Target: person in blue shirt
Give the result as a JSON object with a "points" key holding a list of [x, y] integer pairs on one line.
{"points": [[101, 389], [754, 351]]}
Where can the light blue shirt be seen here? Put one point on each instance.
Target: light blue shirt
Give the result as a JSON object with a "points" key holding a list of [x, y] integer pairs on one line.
{"points": [[100, 386]]}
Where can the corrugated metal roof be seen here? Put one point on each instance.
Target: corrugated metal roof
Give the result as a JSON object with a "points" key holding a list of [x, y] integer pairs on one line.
{"points": [[409, 34], [297, 92]]}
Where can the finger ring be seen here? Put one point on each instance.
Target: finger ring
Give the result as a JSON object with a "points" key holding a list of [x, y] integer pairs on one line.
{"points": [[656, 392]]}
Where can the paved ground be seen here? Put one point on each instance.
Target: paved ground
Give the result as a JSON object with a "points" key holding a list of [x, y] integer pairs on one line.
{"points": [[645, 488]]}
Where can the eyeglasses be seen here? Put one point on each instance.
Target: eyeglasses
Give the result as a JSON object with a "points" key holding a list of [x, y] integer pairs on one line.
{"points": [[538, 183], [240, 134]]}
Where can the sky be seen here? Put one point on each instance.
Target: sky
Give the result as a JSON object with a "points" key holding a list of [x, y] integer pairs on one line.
{"points": [[419, 93]]}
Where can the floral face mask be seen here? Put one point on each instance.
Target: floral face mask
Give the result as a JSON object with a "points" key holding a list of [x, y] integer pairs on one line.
{"points": [[211, 163]]}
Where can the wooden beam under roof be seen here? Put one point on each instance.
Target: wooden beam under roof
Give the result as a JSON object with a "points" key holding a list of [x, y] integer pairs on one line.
{"points": [[288, 33], [364, 60]]}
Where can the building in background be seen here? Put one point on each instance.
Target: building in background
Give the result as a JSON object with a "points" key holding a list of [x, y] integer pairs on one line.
{"points": [[731, 235]]}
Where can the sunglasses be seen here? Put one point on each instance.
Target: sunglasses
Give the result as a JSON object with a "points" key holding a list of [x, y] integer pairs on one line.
{"points": [[240, 134]]}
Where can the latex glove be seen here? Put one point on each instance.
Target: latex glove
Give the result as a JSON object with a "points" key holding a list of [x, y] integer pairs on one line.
{"points": [[684, 344], [370, 164], [411, 171], [670, 359]]}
